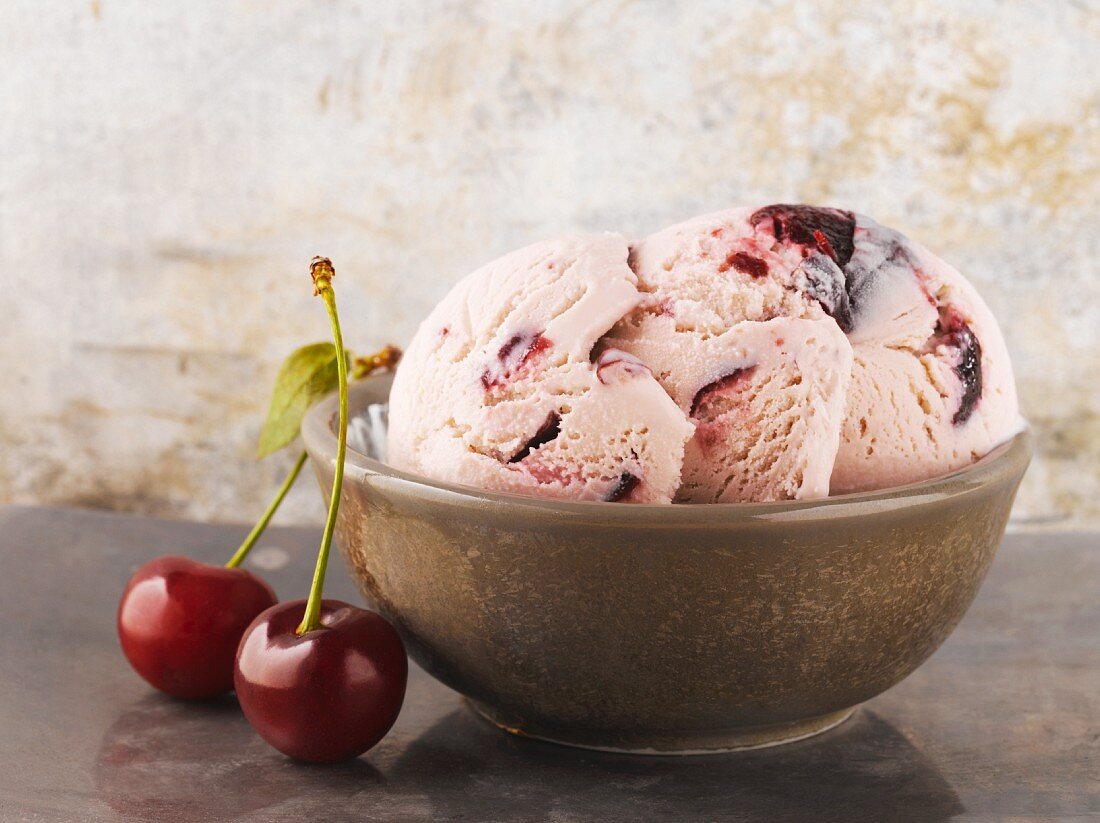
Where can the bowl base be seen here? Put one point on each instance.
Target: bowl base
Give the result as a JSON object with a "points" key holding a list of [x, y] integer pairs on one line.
{"points": [[694, 743]]}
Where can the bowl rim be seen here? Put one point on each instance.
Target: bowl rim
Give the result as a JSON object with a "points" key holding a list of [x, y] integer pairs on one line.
{"points": [[1010, 457]]}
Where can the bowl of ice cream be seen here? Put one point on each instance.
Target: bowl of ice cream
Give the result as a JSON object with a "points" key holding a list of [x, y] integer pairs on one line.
{"points": [[707, 491], [666, 628]]}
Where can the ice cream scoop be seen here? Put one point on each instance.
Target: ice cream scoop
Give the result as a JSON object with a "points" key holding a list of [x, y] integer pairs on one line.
{"points": [[766, 399], [753, 354], [501, 388], [931, 386]]}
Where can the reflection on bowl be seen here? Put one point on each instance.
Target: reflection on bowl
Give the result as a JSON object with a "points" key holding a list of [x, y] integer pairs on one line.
{"points": [[666, 629]]}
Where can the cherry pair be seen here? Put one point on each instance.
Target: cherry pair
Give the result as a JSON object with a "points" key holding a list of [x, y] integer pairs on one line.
{"points": [[320, 680]]}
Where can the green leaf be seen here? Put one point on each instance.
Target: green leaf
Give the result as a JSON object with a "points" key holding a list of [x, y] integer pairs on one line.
{"points": [[306, 376]]}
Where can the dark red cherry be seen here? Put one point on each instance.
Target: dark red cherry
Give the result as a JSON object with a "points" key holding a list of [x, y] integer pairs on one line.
{"points": [[547, 432], [802, 225], [700, 404], [180, 621], [953, 331], [516, 352], [326, 695]]}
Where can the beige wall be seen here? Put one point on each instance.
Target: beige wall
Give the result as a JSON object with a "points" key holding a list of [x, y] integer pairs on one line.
{"points": [[167, 170]]}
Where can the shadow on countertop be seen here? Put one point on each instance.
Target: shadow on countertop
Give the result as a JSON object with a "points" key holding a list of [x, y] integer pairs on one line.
{"points": [[163, 760]]}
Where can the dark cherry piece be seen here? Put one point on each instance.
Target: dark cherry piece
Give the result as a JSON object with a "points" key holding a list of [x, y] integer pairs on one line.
{"points": [[180, 621], [953, 331], [626, 484], [512, 356], [547, 432], [329, 694], [724, 383], [795, 223]]}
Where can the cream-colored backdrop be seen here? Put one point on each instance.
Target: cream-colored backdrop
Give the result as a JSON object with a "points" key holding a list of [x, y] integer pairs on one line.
{"points": [[168, 169]]}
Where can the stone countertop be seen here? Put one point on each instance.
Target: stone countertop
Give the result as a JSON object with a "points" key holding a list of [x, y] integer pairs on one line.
{"points": [[1003, 722]]}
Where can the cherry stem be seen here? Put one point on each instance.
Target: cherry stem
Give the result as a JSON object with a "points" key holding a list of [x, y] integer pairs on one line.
{"points": [[385, 358], [322, 272], [254, 535]]}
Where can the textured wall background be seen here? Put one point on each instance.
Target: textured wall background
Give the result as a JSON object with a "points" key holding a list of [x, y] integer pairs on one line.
{"points": [[167, 170]]}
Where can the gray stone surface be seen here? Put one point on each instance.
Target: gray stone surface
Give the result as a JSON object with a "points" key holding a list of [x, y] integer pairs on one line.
{"points": [[167, 170], [1002, 723]]}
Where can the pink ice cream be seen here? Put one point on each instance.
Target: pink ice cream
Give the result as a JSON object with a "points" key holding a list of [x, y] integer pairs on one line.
{"points": [[499, 388], [932, 385], [783, 352], [748, 354], [766, 399]]}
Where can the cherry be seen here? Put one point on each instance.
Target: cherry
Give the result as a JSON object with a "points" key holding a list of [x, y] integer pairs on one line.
{"points": [[953, 331], [180, 621], [516, 352], [802, 226], [326, 695], [320, 680]]}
